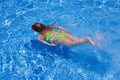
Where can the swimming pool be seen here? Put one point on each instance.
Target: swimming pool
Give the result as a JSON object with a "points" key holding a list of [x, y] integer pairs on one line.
{"points": [[23, 57]]}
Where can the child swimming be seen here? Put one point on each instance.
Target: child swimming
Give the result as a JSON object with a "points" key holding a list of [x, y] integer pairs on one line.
{"points": [[49, 36]]}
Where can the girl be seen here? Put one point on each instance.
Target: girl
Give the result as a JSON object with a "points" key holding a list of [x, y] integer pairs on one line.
{"points": [[49, 36]]}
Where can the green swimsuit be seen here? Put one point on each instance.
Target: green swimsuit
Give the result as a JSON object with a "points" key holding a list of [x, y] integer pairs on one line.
{"points": [[57, 37]]}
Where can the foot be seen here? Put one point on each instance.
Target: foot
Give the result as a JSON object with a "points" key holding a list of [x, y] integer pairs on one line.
{"points": [[90, 41]]}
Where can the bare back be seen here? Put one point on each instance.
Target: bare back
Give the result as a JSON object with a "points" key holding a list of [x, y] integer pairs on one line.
{"points": [[46, 30]]}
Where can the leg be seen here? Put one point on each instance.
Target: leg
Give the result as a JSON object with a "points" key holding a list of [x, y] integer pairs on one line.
{"points": [[76, 40], [65, 41], [90, 41], [69, 42], [80, 40]]}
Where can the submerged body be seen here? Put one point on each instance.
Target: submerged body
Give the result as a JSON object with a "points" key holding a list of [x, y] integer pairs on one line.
{"points": [[49, 36], [57, 36]]}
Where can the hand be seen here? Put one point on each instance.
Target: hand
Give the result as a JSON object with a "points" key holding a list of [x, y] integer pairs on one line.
{"points": [[67, 32], [53, 44]]}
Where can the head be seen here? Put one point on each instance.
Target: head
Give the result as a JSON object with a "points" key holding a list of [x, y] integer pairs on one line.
{"points": [[38, 27]]}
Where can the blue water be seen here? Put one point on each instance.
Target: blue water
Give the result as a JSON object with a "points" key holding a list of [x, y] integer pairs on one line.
{"points": [[23, 57]]}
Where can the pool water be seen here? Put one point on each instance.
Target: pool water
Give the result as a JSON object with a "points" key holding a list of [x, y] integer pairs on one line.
{"points": [[23, 57]]}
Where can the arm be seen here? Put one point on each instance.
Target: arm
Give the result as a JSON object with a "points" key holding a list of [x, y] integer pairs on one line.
{"points": [[40, 37]]}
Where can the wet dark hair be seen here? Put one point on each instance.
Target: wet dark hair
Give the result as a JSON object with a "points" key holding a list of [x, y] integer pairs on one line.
{"points": [[38, 27]]}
